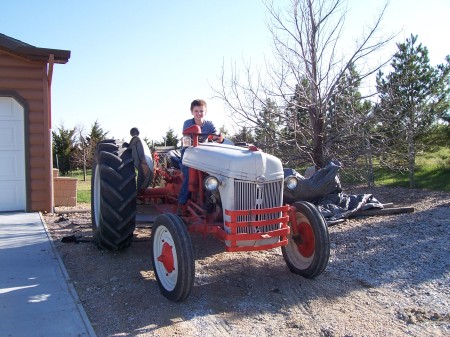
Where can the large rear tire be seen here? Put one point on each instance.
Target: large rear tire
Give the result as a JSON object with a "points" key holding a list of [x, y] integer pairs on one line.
{"points": [[308, 249], [172, 257], [113, 195]]}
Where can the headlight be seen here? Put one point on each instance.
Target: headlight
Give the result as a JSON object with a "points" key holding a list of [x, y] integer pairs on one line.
{"points": [[291, 182], [211, 183]]}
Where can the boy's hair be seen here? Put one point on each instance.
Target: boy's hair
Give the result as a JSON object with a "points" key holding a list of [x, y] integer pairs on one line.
{"points": [[198, 102]]}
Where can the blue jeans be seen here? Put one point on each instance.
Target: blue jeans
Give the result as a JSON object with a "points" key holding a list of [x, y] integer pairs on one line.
{"points": [[184, 192]]}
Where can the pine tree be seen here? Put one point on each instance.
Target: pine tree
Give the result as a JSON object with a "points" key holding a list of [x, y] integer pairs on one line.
{"points": [[170, 139], [63, 148], [244, 135], [97, 133], [412, 98], [266, 128]]}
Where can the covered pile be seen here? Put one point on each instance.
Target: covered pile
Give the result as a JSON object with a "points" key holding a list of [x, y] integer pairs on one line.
{"points": [[324, 190]]}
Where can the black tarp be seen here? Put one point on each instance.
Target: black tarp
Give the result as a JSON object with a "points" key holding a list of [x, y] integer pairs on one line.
{"points": [[324, 190]]}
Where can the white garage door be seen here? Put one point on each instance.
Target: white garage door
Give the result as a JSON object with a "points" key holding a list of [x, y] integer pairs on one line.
{"points": [[12, 156]]}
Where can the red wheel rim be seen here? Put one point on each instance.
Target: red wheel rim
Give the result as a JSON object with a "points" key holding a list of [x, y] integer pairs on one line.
{"points": [[306, 244], [166, 257]]}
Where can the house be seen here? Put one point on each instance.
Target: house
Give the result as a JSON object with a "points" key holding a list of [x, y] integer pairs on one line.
{"points": [[25, 125]]}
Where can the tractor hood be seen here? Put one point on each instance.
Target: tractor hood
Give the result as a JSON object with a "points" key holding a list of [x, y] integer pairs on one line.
{"points": [[233, 162]]}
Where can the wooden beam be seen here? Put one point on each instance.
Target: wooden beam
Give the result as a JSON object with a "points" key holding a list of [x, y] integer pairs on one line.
{"points": [[385, 211]]}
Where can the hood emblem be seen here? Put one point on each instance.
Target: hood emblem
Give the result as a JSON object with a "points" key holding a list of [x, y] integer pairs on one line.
{"points": [[260, 179]]}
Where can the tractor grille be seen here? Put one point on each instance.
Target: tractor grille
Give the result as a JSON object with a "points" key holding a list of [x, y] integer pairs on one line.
{"points": [[250, 195]]}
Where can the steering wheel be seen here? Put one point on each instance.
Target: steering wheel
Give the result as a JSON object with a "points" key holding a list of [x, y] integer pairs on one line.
{"points": [[212, 137]]}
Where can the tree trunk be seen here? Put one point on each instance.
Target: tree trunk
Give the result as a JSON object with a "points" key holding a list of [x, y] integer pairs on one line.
{"points": [[411, 163], [319, 161], [411, 150], [369, 163], [84, 163]]}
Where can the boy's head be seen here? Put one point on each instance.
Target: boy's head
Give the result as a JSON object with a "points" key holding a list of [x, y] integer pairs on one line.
{"points": [[198, 103]]}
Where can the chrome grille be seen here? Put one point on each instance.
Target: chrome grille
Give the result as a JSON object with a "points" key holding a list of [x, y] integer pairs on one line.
{"points": [[250, 195]]}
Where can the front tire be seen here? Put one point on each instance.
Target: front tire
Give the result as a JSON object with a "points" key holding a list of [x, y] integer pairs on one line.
{"points": [[172, 257], [113, 195], [308, 249]]}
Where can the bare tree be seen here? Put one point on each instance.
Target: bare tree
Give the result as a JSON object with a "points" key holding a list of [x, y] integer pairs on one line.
{"points": [[82, 155], [304, 78]]}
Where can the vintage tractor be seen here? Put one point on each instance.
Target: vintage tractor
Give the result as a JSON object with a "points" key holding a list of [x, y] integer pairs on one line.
{"points": [[236, 196]]}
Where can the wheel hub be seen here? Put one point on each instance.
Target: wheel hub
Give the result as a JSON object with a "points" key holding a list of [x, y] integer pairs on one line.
{"points": [[304, 239], [166, 257]]}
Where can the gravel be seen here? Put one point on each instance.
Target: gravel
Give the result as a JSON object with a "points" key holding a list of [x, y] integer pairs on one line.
{"points": [[387, 276]]}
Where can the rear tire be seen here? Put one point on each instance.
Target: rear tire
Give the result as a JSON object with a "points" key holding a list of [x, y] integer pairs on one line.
{"points": [[308, 249], [172, 257], [113, 195]]}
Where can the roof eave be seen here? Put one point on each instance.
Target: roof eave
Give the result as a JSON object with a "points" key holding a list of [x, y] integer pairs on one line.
{"points": [[43, 54]]}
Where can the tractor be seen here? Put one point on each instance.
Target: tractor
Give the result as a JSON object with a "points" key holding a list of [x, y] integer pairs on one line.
{"points": [[236, 196]]}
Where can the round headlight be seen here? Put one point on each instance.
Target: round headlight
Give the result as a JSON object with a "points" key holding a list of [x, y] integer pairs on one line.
{"points": [[211, 183], [291, 182]]}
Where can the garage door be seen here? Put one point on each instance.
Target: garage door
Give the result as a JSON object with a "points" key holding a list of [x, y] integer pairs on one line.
{"points": [[12, 156]]}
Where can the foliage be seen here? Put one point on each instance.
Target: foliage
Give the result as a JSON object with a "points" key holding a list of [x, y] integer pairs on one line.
{"points": [[266, 129], [170, 139], [438, 135], [64, 147], [96, 133], [413, 96], [86, 144], [75, 148], [149, 143], [245, 135]]}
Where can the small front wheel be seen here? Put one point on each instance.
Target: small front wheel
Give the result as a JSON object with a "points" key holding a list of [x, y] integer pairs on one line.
{"points": [[308, 248], [172, 257]]}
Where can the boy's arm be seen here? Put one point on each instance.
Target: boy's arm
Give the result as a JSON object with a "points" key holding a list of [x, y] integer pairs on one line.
{"points": [[219, 138]]}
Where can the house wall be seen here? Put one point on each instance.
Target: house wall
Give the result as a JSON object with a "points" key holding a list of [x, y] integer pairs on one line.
{"points": [[28, 81]]}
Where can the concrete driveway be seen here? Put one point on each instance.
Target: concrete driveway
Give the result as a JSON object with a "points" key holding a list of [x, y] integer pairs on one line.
{"points": [[36, 298]]}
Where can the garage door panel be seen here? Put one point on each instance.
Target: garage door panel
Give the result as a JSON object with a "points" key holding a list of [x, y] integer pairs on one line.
{"points": [[12, 156], [10, 109], [11, 136], [12, 197], [12, 165]]}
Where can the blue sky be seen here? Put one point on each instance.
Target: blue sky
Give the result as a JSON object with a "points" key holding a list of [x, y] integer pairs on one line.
{"points": [[141, 63]]}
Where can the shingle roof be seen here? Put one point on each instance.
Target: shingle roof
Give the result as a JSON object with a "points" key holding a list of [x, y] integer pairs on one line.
{"points": [[30, 52]]}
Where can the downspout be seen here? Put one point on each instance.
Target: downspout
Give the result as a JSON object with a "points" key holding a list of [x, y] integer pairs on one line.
{"points": [[51, 62]]}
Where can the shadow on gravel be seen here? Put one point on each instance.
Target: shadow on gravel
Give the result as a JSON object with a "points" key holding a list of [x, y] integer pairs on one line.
{"points": [[407, 249]]}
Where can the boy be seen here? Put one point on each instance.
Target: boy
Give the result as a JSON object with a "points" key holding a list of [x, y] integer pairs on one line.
{"points": [[198, 110]]}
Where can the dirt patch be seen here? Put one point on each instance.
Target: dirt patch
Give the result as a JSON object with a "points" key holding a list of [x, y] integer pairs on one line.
{"points": [[387, 276]]}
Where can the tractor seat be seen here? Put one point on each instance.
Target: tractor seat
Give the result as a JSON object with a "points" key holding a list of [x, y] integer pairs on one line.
{"points": [[174, 159]]}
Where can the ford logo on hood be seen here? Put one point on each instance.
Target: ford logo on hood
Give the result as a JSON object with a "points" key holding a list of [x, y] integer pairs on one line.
{"points": [[260, 179]]}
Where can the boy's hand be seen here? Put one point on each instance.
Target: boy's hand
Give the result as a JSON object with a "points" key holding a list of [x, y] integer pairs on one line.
{"points": [[218, 138]]}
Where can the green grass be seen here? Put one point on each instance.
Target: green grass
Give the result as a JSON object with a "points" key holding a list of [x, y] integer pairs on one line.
{"points": [[426, 177], [432, 172], [84, 187], [438, 158]]}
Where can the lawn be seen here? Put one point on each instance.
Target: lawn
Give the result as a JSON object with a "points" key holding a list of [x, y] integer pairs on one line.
{"points": [[426, 177], [432, 172], [84, 187]]}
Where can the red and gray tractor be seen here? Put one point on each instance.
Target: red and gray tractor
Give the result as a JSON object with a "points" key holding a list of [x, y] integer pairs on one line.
{"points": [[236, 196]]}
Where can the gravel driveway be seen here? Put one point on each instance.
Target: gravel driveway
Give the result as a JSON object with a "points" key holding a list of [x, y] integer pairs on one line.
{"points": [[387, 276]]}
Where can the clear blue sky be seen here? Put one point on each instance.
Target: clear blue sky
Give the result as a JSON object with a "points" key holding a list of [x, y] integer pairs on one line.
{"points": [[141, 63]]}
